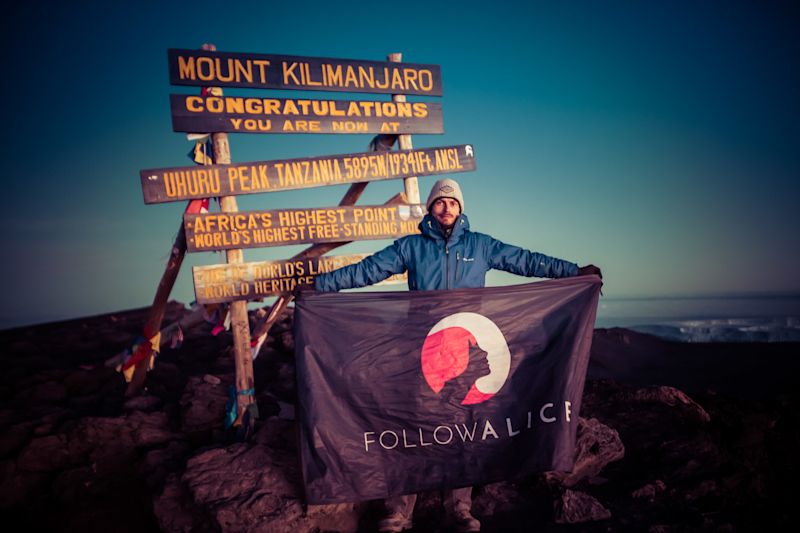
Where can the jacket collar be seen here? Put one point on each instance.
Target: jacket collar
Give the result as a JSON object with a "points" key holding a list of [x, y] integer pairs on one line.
{"points": [[432, 229]]}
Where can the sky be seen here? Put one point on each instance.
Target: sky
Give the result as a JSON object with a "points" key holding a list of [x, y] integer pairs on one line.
{"points": [[657, 140]]}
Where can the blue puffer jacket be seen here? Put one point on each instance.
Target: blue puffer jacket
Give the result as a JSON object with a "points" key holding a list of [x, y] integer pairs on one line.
{"points": [[436, 262]]}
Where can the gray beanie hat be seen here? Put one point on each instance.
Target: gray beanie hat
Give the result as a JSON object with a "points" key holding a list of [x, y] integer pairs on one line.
{"points": [[445, 188]]}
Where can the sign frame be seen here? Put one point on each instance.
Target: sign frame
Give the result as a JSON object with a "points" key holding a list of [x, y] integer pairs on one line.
{"points": [[248, 114], [203, 68], [220, 283], [284, 227], [203, 181]]}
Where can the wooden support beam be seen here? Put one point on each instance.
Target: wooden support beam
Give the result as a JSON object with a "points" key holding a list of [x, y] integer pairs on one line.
{"points": [[240, 326], [410, 183]]}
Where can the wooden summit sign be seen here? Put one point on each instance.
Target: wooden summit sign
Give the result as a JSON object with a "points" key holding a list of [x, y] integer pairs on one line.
{"points": [[262, 71], [185, 183], [240, 114], [251, 281], [256, 229]]}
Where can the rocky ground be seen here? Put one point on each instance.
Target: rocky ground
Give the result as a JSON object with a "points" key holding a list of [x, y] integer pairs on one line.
{"points": [[673, 438]]}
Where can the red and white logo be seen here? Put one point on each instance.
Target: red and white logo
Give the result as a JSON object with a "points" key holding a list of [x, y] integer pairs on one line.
{"points": [[446, 354]]}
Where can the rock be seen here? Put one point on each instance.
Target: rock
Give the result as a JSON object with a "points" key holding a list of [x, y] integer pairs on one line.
{"points": [[19, 486], [202, 406], [77, 485], [674, 398], [596, 446], [212, 380], [14, 438], [576, 507], [243, 486], [496, 498], [45, 454], [85, 382], [45, 393], [287, 341], [136, 430], [702, 490], [342, 517], [649, 491], [257, 488], [146, 403], [174, 511], [277, 433], [158, 464]]}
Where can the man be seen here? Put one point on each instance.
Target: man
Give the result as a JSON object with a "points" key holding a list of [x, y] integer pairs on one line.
{"points": [[447, 255]]}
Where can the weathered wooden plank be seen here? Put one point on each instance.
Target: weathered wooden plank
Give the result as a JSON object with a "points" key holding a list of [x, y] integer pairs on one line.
{"points": [[252, 281], [269, 71], [182, 183], [257, 229], [242, 114]]}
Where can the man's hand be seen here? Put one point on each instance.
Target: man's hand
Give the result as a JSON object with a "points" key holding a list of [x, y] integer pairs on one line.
{"points": [[588, 270], [303, 288]]}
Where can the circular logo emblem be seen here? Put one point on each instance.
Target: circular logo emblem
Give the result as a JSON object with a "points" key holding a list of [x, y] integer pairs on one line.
{"points": [[446, 354]]}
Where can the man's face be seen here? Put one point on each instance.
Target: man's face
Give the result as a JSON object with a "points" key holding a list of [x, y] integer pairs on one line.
{"points": [[445, 211]]}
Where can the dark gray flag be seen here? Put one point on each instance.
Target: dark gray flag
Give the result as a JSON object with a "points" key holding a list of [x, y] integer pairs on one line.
{"points": [[402, 392]]}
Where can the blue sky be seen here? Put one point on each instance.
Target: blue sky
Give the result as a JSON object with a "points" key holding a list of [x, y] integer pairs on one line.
{"points": [[656, 140]]}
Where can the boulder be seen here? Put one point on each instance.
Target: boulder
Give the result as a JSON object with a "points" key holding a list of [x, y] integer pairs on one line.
{"points": [[49, 453], [575, 507], [256, 488], [649, 491], [596, 446], [175, 512], [203, 406], [672, 397], [19, 486]]}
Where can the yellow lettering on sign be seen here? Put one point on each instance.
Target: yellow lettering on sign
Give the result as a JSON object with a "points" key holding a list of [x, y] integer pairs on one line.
{"points": [[366, 78], [194, 104], [288, 73], [307, 75], [385, 83], [252, 124], [289, 108], [300, 73], [186, 69], [410, 76], [262, 64], [353, 110], [332, 75], [349, 126], [219, 69], [426, 79], [243, 71]]}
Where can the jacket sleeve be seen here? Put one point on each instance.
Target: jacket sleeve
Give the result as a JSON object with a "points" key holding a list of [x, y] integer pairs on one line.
{"points": [[369, 270], [523, 262]]}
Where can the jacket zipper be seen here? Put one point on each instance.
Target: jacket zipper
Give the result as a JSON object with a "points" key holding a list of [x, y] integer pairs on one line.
{"points": [[458, 263], [447, 265]]}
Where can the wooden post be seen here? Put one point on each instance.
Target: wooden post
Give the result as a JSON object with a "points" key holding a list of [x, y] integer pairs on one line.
{"points": [[156, 315], [245, 394], [410, 183]]}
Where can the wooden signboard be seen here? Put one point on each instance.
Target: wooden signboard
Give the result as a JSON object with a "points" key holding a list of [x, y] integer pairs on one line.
{"points": [[251, 281], [257, 229], [262, 71], [185, 183], [241, 114]]}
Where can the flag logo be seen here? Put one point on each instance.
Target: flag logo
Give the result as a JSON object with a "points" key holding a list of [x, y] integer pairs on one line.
{"points": [[446, 354]]}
